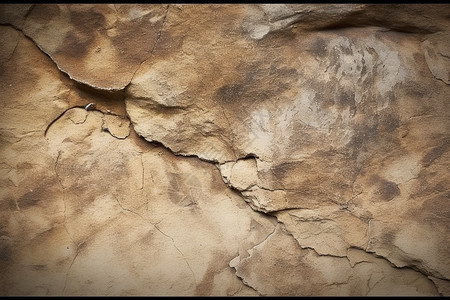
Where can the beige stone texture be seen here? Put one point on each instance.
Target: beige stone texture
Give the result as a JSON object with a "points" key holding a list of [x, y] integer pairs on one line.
{"points": [[224, 149]]}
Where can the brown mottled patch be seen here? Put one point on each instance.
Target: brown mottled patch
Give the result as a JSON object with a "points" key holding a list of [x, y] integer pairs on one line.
{"points": [[436, 209], [147, 237], [25, 165], [364, 134], [387, 122], [216, 265], [42, 13], [138, 38]]}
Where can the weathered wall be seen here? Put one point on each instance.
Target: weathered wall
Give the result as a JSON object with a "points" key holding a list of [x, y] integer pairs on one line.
{"points": [[230, 149]]}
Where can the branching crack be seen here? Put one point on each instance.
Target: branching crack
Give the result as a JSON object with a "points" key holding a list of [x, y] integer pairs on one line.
{"points": [[65, 219], [143, 174], [154, 45], [63, 196], [163, 233], [67, 273]]}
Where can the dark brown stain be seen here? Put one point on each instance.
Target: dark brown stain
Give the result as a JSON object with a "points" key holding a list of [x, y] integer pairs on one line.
{"points": [[416, 90], [7, 204], [6, 254], [384, 190], [45, 190], [38, 267], [435, 153], [81, 39], [76, 45], [87, 20], [231, 92], [388, 190], [260, 82], [282, 170], [388, 238], [346, 50], [147, 238], [319, 47], [346, 99], [364, 134], [387, 122], [437, 205]]}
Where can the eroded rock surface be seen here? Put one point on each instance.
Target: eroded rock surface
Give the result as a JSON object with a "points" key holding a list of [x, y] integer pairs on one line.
{"points": [[225, 149]]}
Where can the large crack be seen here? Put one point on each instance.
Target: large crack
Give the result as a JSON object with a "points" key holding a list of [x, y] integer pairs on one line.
{"points": [[153, 47], [65, 222], [161, 232]]}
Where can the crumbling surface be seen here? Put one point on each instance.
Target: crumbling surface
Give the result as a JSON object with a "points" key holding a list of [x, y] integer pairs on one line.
{"points": [[224, 149]]}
